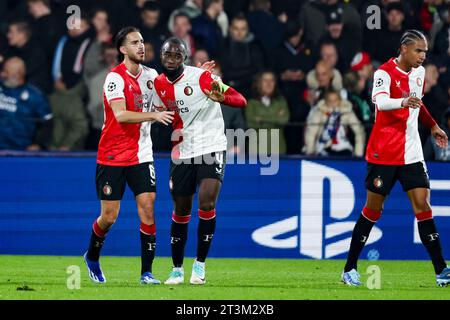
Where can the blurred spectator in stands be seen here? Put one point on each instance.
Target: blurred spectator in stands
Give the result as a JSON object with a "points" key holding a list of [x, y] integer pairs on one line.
{"points": [[322, 79], [441, 48], [241, 56], [411, 11], [193, 9], [429, 15], [362, 108], [200, 56], [129, 13], [151, 58], [182, 30], [347, 41], [313, 18], [435, 96], [70, 122], [205, 28], [292, 60], [362, 64], [267, 110], [328, 53], [383, 44], [25, 116], [92, 64], [289, 8], [49, 25], [233, 118], [431, 150], [236, 7], [152, 28], [94, 85], [267, 28], [30, 51], [327, 130]]}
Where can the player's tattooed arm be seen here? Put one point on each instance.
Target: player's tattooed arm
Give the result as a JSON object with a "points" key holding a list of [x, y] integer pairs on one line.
{"points": [[122, 115]]}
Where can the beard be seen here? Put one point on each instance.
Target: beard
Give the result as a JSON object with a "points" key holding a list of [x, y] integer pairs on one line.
{"points": [[136, 58]]}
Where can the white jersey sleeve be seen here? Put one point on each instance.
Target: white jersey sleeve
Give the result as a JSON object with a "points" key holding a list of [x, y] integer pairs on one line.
{"points": [[382, 91], [381, 84], [114, 87]]}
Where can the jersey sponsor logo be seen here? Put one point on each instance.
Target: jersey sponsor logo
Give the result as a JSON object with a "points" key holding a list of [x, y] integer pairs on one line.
{"points": [[188, 90], [111, 86], [107, 190], [379, 82], [315, 236], [150, 84]]}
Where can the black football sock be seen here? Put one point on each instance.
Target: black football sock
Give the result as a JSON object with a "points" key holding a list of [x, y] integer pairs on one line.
{"points": [[359, 237], [148, 246], [205, 232], [96, 242], [178, 238], [430, 239]]}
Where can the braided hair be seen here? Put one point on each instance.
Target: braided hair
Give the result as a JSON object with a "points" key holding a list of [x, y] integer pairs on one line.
{"points": [[410, 36]]}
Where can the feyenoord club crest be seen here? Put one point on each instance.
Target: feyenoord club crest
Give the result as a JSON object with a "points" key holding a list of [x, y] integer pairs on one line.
{"points": [[377, 182], [150, 84], [107, 190], [419, 82], [188, 90]]}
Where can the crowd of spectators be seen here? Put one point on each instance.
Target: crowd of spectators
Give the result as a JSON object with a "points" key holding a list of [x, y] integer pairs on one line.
{"points": [[305, 66]]}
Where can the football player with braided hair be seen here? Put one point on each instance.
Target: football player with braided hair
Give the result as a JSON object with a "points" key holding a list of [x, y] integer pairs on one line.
{"points": [[394, 152]]}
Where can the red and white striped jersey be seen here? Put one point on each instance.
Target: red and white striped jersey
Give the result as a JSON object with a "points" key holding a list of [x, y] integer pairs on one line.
{"points": [[198, 124], [130, 143], [395, 139]]}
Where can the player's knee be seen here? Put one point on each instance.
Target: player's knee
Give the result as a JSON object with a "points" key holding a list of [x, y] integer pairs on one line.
{"points": [[371, 214], [207, 205], [146, 210], [109, 219]]}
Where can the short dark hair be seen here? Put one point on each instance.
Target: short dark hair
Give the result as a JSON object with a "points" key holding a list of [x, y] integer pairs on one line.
{"points": [[181, 14], [120, 39], [175, 41], [22, 26], [208, 3], [151, 6]]}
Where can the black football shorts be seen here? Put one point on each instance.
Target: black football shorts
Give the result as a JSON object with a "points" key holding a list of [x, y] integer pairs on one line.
{"points": [[186, 174], [111, 180], [381, 178]]}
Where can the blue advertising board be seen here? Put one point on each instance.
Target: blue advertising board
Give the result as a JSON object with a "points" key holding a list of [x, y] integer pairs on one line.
{"points": [[306, 210]]}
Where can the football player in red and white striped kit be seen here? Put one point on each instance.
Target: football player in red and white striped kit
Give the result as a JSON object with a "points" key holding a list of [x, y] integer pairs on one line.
{"points": [[198, 155], [125, 152], [394, 152]]}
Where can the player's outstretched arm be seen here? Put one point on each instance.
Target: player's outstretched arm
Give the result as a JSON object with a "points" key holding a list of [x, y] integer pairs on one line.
{"points": [[122, 115], [222, 93]]}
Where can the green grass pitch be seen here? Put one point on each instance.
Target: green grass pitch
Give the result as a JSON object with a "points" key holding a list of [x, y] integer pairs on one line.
{"points": [[45, 277]]}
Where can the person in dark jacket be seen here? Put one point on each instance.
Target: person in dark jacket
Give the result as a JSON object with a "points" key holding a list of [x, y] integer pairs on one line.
{"points": [[292, 61], [205, 29], [241, 57], [29, 50]]}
